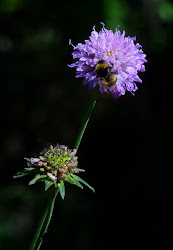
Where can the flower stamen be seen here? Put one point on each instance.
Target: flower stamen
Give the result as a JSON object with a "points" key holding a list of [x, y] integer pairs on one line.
{"points": [[103, 26], [94, 28], [70, 43]]}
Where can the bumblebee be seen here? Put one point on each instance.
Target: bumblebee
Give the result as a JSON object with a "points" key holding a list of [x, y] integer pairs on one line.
{"points": [[103, 71]]}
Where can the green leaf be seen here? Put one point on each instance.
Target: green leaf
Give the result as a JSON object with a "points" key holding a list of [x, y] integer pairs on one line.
{"points": [[24, 172], [80, 169], [62, 189], [21, 173], [29, 169], [27, 159], [77, 178], [69, 179], [48, 184], [73, 181], [36, 178]]}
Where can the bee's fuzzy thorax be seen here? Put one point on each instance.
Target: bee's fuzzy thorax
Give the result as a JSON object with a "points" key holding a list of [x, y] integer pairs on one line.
{"points": [[101, 65]]}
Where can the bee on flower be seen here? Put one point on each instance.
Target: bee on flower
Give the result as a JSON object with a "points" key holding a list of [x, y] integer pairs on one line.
{"points": [[110, 60]]}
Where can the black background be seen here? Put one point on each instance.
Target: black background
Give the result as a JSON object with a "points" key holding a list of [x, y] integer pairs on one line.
{"points": [[127, 146]]}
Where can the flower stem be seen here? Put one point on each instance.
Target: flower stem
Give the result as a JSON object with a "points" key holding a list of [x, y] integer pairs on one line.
{"points": [[44, 222], [86, 118], [47, 214]]}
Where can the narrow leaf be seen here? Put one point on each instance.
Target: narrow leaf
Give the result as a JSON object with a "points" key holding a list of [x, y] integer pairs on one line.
{"points": [[29, 169], [76, 177], [73, 181], [62, 189], [36, 178], [69, 179], [27, 159], [80, 169], [33, 181], [48, 184], [21, 173]]}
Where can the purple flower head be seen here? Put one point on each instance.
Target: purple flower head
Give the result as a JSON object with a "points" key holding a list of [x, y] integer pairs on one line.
{"points": [[109, 60]]}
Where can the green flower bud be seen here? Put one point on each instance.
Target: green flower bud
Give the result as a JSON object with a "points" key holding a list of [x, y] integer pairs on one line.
{"points": [[54, 166], [57, 162]]}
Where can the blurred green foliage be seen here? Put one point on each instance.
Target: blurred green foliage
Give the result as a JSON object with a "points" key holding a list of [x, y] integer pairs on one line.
{"points": [[165, 10], [115, 12], [9, 6]]}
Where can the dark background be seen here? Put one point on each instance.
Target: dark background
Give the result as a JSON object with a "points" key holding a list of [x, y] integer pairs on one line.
{"points": [[127, 147]]}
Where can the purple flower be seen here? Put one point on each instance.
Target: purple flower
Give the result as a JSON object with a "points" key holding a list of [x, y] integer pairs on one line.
{"points": [[109, 60]]}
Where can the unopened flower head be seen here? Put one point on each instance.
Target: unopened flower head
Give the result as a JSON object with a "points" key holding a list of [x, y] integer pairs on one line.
{"points": [[54, 166], [110, 60], [56, 162]]}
